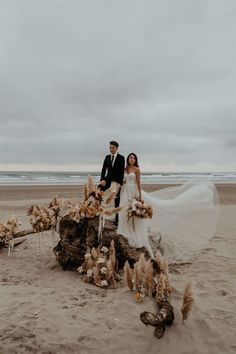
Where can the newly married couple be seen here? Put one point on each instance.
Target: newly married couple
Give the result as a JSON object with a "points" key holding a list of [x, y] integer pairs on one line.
{"points": [[184, 216]]}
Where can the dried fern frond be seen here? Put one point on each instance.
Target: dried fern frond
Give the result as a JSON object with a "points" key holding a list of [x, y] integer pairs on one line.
{"points": [[128, 275], [114, 188], [107, 213], [188, 301], [110, 198], [117, 210]]}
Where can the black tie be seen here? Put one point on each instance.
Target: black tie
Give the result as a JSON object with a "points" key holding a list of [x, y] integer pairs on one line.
{"points": [[112, 159]]}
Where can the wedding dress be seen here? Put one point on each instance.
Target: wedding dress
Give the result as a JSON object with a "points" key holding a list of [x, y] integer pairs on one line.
{"points": [[184, 217]]}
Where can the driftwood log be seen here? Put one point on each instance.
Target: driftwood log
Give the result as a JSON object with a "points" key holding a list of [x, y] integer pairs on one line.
{"points": [[77, 237], [164, 317]]}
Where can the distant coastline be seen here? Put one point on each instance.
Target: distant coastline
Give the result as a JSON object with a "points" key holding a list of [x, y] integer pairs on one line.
{"points": [[79, 178]]}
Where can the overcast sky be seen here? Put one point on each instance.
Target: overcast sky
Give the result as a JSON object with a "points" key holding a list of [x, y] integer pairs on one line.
{"points": [[156, 75]]}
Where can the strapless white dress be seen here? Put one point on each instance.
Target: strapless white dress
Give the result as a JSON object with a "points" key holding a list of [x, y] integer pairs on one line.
{"points": [[185, 217]]}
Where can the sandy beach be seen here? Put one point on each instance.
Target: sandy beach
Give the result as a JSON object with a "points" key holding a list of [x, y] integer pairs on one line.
{"points": [[47, 310]]}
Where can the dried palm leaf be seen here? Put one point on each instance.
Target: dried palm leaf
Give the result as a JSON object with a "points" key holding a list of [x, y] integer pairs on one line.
{"points": [[110, 198]]}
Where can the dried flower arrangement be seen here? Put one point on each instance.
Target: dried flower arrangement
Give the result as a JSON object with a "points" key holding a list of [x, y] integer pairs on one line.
{"points": [[99, 267], [137, 208], [8, 230], [145, 280], [96, 202]]}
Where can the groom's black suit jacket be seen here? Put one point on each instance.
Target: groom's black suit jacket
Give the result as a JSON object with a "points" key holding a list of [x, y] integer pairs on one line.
{"points": [[113, 173]]}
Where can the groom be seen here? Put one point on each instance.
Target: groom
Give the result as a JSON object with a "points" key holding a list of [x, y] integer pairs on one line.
{"points": [[113, 171]]}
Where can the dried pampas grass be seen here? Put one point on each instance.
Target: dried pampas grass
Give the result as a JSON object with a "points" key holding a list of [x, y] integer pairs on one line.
{"points": [[188, 301], [90, 185], [159, 260], [112, 255], [138, 276], [160, 288], [148, 278], [128, 275]]}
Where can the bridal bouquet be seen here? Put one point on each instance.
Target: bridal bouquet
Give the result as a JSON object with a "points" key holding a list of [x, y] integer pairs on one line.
{"points": [[139, 209]]}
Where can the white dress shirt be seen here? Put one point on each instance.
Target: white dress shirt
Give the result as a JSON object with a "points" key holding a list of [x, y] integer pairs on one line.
{"points": [[114, 158]]}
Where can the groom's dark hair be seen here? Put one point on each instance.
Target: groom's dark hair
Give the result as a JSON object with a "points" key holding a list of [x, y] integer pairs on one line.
{"points": [[114, 143]]}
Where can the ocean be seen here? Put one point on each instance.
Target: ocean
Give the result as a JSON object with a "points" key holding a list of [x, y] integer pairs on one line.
{"points": [[79, 178]]}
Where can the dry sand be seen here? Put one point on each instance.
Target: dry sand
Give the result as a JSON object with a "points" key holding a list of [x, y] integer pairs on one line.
{"points": [[47, 310]]}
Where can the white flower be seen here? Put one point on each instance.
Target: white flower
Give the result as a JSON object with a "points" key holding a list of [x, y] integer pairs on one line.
{"points": [[82, 215], [80, 269], [138, 212], [103, 270], [100, 260], [89, 273], [104, 283], [104, 249], [134, 208], [87, 255]]}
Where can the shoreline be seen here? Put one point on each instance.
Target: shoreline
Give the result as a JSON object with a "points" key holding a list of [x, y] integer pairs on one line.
{"points": [[10, 193]]}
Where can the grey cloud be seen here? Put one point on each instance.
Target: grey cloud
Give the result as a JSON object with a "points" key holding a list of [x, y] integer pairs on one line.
{"points": [[159, 76]]}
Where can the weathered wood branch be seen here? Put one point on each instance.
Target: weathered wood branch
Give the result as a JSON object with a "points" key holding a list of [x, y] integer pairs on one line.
{"points": [[77, 237], [164, 317]]}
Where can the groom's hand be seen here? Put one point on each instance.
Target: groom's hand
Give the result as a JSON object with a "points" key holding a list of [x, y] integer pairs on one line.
{"points": [[103, 183]]}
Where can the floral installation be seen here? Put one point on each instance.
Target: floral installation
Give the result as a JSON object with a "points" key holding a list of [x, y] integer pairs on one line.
{"points": [[99, 267], [145, 281], [8, 230], [44, 218], [96, 202]]}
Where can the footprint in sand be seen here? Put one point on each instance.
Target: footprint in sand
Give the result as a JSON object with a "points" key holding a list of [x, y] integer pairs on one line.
{"points": [[222, 292]]}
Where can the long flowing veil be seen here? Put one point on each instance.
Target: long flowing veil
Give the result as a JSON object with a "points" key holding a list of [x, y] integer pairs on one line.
{"points": [[185, 217]]}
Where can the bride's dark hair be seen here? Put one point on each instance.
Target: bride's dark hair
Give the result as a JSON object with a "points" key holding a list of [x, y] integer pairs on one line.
{"points": [[136, 160]]}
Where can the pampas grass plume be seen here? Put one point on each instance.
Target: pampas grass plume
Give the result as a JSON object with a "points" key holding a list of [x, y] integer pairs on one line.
{"points": [[128, 275], [148, 278], [188, 301]]}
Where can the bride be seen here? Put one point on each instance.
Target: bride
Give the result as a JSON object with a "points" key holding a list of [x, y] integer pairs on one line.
{"points": [[184, 217]]}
